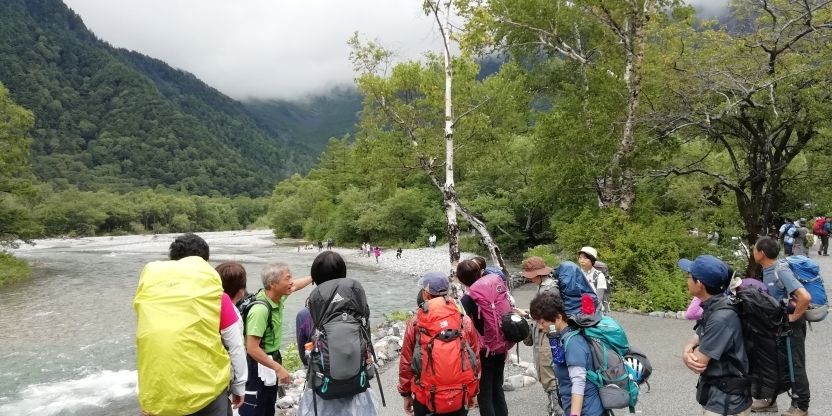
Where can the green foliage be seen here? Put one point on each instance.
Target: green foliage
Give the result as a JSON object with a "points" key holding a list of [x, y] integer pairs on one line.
{"points": [[397, 316], [641, 252], [111, 119], [12, 269], [291, 359]]}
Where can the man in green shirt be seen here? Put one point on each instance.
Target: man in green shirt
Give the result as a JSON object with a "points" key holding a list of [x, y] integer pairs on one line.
{"points": [[263, 336]]}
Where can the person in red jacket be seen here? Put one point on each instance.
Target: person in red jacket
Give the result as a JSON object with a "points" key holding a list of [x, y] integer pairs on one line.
{"points": [[445, 383]]}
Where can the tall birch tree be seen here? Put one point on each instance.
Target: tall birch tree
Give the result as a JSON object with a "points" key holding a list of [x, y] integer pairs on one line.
{"points": [[403, 99]]}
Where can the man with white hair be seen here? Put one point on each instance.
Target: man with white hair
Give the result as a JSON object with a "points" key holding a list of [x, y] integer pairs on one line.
{"points": [[264, 329]]}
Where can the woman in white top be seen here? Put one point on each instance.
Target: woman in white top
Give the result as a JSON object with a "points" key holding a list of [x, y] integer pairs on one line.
{"points": [[587, 257]]}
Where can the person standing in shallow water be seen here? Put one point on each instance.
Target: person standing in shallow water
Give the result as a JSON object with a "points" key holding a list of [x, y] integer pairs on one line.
{"points": [[376, 252]]}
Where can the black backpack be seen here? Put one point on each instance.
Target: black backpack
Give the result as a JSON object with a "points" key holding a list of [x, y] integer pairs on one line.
{"points": [[765, 329], [338, 366], [244, 306]]}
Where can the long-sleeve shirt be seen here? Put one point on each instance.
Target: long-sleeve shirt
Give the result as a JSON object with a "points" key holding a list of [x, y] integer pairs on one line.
{"points": [[231, 330]]}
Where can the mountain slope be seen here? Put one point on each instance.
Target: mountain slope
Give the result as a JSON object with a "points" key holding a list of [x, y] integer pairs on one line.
{"points": [[113, 119], [311, 121]]}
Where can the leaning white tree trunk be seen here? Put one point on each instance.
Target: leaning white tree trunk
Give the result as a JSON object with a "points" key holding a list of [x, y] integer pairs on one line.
{"points": [[449, 196]]}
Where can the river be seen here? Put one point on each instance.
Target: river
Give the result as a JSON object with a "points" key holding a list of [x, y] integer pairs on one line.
{"points": [[68, 345]]}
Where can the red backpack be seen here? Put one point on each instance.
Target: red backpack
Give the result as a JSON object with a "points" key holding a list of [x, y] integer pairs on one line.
{"points": [[491, 296], [817, 228], [444, 364]]}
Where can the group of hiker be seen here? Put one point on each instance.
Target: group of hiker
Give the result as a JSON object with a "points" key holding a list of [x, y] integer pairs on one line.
{"points": [[749, 341], [197, 356]]}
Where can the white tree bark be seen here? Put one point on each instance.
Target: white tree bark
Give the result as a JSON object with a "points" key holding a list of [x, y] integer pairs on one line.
{"points": [[449, 195]]}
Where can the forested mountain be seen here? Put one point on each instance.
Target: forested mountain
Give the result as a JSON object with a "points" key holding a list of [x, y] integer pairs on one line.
{"points": [[109, 119], [311, 121]]}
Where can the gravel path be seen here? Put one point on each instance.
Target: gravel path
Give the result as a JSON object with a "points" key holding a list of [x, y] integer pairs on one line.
{"points": [[673, 385]]}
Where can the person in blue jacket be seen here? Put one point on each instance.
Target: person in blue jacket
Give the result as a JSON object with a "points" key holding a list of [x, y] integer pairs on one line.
{"points": [[577, 394]]}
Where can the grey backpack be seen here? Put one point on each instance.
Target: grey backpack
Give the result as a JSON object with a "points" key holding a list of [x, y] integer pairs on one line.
{"points": [[343, 355]]}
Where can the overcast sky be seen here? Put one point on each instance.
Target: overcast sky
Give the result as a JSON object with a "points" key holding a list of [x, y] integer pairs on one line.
{"points": [[262, 48]]}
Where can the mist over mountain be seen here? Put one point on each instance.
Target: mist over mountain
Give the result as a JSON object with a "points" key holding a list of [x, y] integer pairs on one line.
{"points": [[113, 119]]}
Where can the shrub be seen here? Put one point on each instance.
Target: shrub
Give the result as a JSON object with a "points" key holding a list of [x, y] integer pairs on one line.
{"points": [[641, 252], [12, 269]]}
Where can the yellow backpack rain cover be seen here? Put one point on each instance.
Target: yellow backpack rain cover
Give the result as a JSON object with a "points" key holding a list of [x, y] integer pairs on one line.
{"points": [[181, 361]]}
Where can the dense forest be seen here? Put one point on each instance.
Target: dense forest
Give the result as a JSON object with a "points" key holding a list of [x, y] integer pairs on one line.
{"points": [[641, 130], [112, 119]]}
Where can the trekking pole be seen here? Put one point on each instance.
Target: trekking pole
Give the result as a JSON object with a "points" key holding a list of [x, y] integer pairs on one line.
{"points": [[789, 356]]}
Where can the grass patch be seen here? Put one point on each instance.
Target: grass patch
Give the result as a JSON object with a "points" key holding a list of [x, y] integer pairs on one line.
{"points": [[13, 269], [397, 316], [291, 359]]}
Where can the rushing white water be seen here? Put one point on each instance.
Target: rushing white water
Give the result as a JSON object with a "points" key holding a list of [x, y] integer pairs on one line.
{"points": [[67, 335]]}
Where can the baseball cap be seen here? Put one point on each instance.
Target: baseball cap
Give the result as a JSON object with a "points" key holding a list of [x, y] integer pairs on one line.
{"points": [[707, 269], [535, 266], [436, 283]]}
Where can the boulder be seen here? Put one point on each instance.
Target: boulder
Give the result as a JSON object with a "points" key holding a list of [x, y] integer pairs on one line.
{"points": [[285, 403], [516, 381], [531, 372], [680, 315], [528, 381]]}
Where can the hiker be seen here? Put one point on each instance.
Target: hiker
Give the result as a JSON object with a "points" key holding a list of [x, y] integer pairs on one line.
{"points": [[376, 252], [799, 245], [432, 240], [337, 382], [304, 329], [233, 276], [821, 229], [182, 316], [536, 271], [493, 348], [587, 257], [783, 285], [399, 253], [485, 269], [264, 333], [440, 343], [717, 351], [787, 233], [578, 395]]}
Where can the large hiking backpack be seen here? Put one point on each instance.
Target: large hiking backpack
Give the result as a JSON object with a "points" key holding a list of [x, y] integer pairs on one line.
{"points": [[574, 288], [818, 228], [245, 304], [339, 365], [807, 273], [181, 362], [765, 328], [444, 363], [789, 234], [491, 296], [617, 370]]}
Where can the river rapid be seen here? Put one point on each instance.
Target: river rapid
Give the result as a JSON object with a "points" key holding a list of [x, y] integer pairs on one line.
{"points": [[68, 334]]}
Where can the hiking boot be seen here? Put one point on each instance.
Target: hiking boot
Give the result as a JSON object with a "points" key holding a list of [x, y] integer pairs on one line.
{"points": [[794, 411], [763, 406]]}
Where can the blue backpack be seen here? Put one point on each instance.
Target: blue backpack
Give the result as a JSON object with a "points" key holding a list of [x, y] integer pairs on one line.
{"points": [[573, 286], [808, 273]]}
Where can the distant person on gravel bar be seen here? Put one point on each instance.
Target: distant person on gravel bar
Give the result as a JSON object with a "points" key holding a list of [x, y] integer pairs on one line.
{"points": [[183, 317]]}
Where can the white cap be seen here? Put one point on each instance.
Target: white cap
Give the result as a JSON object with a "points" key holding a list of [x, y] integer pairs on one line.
{"points": [[589, 250]]}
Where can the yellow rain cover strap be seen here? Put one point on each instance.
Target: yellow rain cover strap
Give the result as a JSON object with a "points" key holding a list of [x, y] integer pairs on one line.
{"points": [[181, 361]]}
